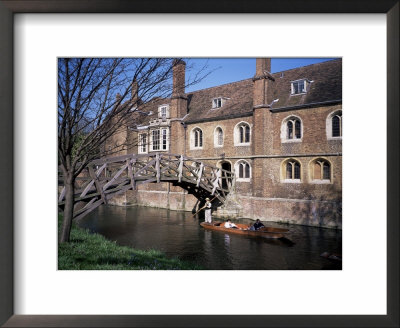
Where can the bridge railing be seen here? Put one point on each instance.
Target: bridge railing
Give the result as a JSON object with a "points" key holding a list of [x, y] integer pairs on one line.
{"points": [[108, 177]]}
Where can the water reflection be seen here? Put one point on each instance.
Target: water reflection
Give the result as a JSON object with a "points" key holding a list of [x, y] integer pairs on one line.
{"points": [[178, 234]]}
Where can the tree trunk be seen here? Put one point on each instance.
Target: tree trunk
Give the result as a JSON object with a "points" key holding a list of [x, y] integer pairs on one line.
{"points": [[68, 210]]}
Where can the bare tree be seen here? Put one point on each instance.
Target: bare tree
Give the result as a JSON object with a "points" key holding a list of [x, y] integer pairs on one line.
{"points": [[98, 97]]}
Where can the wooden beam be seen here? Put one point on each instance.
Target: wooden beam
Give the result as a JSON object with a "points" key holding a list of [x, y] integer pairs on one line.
{"points": [[85, 207], [97, 183], [130, 173], [91, 208], [115, 177], [158, 174]]}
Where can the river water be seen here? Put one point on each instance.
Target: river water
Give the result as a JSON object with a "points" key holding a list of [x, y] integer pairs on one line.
{"points": [[179, 234]]}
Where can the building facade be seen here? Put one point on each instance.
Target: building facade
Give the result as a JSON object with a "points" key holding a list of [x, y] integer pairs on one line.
{"points": [[280, 133]]}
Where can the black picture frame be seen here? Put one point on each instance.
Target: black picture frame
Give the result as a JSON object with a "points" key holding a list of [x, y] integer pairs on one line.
{"points": [[7, 198]]}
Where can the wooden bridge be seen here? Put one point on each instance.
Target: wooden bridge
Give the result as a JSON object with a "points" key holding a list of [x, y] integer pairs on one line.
{"points": [[105, 178]]}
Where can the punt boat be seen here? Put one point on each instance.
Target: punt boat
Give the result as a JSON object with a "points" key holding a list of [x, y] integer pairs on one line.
{"points": [[243, 229]]}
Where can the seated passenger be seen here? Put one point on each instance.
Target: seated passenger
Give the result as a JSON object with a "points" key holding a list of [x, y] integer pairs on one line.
{"points": [[229, 224], [258, 225]]}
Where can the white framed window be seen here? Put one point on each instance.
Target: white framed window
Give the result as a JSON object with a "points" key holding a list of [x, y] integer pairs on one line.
{"points": [[242, 134], [155, 140], [164, 138], [292, 129], [320, 171], [242, 170], [159, 139], [299, 87], [291, 171], [217, 102], [142, 147], [218, 137], [334, 125], [196, 138], [163, 111]]}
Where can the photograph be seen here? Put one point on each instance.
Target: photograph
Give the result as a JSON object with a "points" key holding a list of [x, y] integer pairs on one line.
{"points": [[199, 163]]}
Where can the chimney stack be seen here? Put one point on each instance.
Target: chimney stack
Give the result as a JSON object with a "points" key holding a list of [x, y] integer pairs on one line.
{"points": [[178, 72], [134, 94], [261, 81], [263, 65]]}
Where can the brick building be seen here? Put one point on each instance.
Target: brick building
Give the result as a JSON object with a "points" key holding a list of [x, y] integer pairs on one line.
{"points": [[280, 133]]}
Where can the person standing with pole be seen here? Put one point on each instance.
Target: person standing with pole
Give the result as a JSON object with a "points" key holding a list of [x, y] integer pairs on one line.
{"points": [[207, 213]]}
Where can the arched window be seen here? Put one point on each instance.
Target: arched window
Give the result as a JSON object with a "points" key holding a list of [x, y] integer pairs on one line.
{"points": [[334, 125], [291, 129], [291, 170], [320, 170], [196, 138], [218, 137], [337, 125], [243, 170], [242, 134]]}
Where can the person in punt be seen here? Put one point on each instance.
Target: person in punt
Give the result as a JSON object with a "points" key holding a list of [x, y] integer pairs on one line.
{"points": [[229, 224], [258, 225]]}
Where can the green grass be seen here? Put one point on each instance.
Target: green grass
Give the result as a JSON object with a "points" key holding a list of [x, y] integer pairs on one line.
{"points": [[91, 251]]}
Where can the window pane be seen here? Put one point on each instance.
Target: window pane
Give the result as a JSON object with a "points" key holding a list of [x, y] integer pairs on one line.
{"points": [[296, 170], [327, 171], [196, 138], [298, 129], [143, 142], [164, 139], [301, 86], [241, 134], [289, 170], [156, 139], [200, 138], [240, 171], [289, 130], [247, 139], [336, 126], [247, 171], [296, 87], [220, 137]]}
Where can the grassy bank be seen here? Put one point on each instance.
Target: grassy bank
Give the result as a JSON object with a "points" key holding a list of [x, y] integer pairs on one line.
{"points": [[90, 251]]}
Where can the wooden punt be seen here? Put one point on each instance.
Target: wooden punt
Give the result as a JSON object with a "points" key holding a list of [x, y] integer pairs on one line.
{"points": [[265, 232]]}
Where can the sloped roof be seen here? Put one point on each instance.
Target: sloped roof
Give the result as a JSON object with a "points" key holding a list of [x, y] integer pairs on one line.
{"points": [[326, 85], [239, 101]]}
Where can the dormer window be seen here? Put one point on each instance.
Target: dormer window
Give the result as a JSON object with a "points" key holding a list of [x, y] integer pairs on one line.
{"points": [[163, 111], [299, 87], [217, 103]]}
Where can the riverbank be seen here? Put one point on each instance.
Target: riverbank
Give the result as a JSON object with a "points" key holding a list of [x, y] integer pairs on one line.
{"points": [[91, 251]]}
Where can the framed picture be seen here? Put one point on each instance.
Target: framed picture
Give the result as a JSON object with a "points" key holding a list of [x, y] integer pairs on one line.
{"points": [[15, 278]]}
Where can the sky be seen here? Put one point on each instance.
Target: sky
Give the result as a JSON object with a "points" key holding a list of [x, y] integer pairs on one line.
{"points": [[227, 70]]}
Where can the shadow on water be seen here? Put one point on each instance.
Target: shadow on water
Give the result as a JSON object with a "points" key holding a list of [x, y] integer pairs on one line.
{"points": [[179, 234]]}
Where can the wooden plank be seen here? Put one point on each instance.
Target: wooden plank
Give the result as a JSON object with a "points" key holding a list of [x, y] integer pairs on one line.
{"points": [[130, 174], [92, 207], [98, 185], [85, 207], [158, 174], [148, 165], [115, 177], [86, 190]]}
